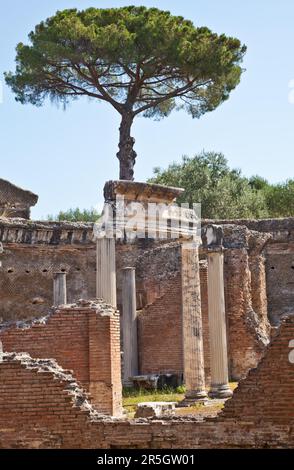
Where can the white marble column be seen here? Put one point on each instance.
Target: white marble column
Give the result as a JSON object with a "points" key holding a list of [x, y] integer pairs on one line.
{"points": [[59, 289], [194, 377], [217, 326], [129, 325], [106, 274]]}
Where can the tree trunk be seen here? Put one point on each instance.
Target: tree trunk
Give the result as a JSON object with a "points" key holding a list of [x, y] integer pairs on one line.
{"points": [[126, 154]]}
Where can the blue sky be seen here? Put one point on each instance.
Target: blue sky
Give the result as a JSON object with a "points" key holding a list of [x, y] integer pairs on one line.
{"points": [[66, 156]]}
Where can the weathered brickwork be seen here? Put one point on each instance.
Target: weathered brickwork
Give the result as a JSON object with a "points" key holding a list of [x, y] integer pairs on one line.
{"points": [[32, 253], [41, 407], [246, 340], [85, 340], [279, 262], [159, 328], [159, 299], [160, 324], [156, 262], [267, 393], [280, 279]]}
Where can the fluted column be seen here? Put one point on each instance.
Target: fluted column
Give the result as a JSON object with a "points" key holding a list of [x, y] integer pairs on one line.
{"points": [[1, 251], [217, 326], [129, 325], [106, 275], [194, 377], [59, 289]]}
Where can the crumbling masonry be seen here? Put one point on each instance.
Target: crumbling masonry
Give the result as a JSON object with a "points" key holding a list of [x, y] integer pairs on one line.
{"points": [[243, 292]]}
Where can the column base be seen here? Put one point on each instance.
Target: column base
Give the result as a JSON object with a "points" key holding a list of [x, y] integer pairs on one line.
{"points": [[220, 391], [194, 398]]}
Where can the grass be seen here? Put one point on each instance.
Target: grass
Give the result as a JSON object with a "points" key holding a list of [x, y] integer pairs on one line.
{"points": [[133, 396]]}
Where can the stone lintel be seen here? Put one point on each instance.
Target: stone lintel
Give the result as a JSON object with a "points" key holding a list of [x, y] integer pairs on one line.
{"points": [[141, 192]]}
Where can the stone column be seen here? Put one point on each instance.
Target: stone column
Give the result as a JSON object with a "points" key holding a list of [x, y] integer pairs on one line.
{"points": [[106, 275], [59, 289], [217, 326], [194, 377], [129, 325], [1, 251]]}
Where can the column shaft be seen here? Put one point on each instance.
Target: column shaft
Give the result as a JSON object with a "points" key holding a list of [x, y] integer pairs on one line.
{"points": [[106, 274], [59, 289], [129, 325], [217, 326], [192, 324]]}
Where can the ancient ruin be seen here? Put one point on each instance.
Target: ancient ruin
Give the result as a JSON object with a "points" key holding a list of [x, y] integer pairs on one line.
{"points": [[14, 201], [83, 314]]}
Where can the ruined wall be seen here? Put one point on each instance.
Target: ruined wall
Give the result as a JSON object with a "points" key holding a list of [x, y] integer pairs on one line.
{"points": [[279, 262], [245, 345], [32, 252], [84, 339], [280, 280], [14, 201], [43, 407], [160, 320], [155, 262], [160, 332], [267, 393]]}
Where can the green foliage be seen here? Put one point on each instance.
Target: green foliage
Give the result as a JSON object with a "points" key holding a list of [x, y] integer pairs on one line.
{"points": [[181, 389], [139, 60], [137, 392], [280, 199], [207, 179], [258, 183], [76, 215]]}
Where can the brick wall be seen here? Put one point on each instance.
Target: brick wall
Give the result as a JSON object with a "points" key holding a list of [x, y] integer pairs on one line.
{"points": [[41, 405], [159, 332], [85, 340], [280, 279], [160, 325], [267, 393], [37, 411], [26, 277], [246, 336], [32, 252]]}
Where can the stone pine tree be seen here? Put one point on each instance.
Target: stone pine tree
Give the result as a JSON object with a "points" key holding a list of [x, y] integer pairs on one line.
{"points": [[139, 60]]}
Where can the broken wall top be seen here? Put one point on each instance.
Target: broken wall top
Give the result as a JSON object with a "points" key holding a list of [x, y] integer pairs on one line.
{"points": [[14, 201]]}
